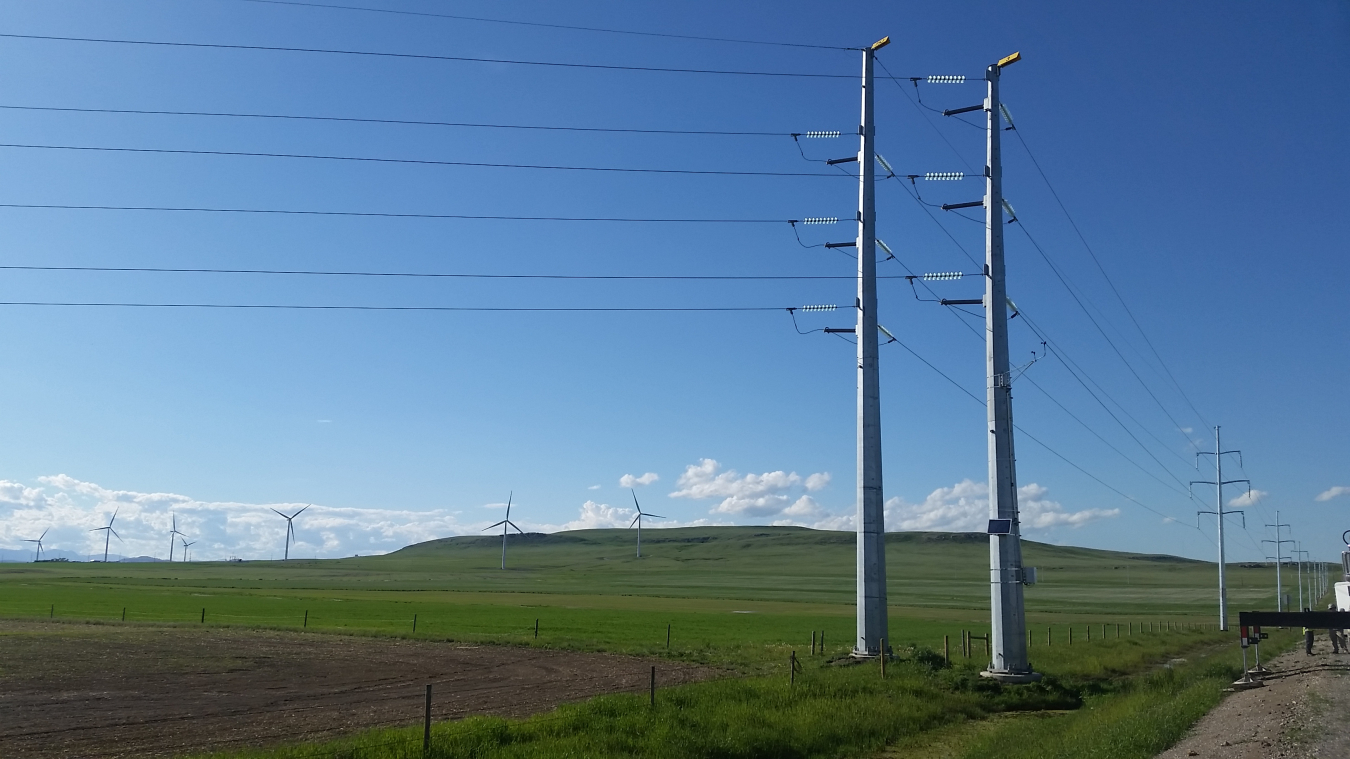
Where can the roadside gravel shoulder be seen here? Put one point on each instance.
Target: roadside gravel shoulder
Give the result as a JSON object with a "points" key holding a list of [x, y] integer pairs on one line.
{"points": [[1299, 714]]}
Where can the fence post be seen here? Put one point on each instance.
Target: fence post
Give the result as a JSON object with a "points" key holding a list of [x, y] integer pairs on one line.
{"points": [[203, 615], [986, 645], [536, 628], [414, 623], [124, 613], [667, 636], [1117, 629], [306, 618], [426, 723], [946, 650], [52, 613], [653, 686], [792, 669], [822, 642], [813, 642], [1071, 635], [1089, 631], [1048, 640]]}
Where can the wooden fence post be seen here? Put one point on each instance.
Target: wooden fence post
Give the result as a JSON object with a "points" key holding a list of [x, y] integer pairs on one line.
{"points": [[306, 624], [813, 642], [426, 724], [1048, 641], [1071, 635], [536, 628], [792, 669], [946, 650], [667, 636], [653, 685], [414, 623], [124, 613], [203, 615]]}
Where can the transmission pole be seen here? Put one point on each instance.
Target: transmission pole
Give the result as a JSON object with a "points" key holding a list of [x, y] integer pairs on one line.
{"points": [[1279, 561], [872, 621], [1219, 513], [1300, 553], [1008, 638]]}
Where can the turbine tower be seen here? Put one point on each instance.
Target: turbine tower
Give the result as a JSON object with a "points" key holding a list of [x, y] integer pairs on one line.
{"points": [[108, 532], [290, 529], [637, 520], [38, 556], [506, 524], [172, 532]]}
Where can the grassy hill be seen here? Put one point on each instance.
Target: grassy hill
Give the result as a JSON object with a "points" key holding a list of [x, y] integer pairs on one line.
{"points": [[926, 571]]}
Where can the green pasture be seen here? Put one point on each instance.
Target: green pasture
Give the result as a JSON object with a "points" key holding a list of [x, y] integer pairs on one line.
{"points": [[726, 594], [745, 599]]}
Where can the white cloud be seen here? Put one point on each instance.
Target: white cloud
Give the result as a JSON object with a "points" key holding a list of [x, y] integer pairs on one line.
{"points": [[593, 487], [1247, 499], [628, 480], [69, 508], [964, 507], [1335, 492], [753, 495]]}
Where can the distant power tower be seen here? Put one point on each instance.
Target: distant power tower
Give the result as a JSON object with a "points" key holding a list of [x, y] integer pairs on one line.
{"points": [[1218, 482], [1279, 561]]}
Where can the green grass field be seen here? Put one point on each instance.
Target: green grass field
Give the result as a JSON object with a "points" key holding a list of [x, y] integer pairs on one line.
{"points": [[740, 598]]}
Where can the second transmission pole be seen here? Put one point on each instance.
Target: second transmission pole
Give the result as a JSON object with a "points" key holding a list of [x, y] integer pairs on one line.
{"points": [[1008, 633]]}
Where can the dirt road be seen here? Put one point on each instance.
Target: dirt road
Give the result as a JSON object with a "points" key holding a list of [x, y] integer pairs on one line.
{"points": [[74, 690], [1301, 713]]}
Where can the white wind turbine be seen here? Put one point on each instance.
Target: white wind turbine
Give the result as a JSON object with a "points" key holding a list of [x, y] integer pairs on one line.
{"points": [[290, 529], [38, 556], [172, 532], [637, 520], [186, 545], [505, 524], [108, 533]]}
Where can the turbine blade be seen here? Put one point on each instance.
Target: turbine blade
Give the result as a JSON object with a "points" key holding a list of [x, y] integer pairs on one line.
{"points": [[301, 511], [630, 524], [513, 524], [635, 502], [44, 534], [657, 516], [114, 532], [499, 524], [278, 513]]}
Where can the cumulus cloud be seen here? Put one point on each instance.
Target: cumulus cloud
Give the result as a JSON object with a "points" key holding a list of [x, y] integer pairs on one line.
{"points": [[593, 487], [964, 507], [628, 480], [69, 508], [751, 495], [1247, 499], [1335, 492]]}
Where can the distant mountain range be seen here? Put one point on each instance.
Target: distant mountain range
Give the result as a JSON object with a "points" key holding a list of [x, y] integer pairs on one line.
{"points": [[10, 555]]}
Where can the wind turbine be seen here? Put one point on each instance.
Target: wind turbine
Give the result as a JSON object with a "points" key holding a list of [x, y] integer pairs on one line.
{"points": [[290, 529], [637, 520], [173, 532], [38, 540], [505, 524], [107, 534], [187, 544]]}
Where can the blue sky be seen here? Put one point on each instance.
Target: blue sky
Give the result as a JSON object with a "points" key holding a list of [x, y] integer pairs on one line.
{"points": [[1193, 145]]}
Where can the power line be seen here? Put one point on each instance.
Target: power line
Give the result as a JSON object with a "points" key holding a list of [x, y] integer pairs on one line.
{"points": [[414, 161], [1037, 441], [380, 214], [928, 121], [404, 122], [1062, 280], [543, 25], [415, 56], [434, 275], [298, 307], [1108, 279]]}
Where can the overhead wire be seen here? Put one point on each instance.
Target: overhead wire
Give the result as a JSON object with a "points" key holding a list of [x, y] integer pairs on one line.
{"points": [[413, 161], [302, 307], [1111, 283], [433, 275], [927, 120], [400, 122], [385, 214], [413, 56], [543, 25]]}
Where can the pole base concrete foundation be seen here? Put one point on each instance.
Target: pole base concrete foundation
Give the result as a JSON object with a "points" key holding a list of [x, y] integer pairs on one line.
{"points": [[1247, 683], [1012, 678]]}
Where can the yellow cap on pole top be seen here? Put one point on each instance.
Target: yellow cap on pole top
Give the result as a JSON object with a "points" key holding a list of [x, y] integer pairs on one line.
{"points": [[879, 44], [1014, 58]]}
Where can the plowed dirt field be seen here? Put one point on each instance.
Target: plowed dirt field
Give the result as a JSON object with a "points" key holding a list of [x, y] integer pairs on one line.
{"points": [[77, 690]]}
